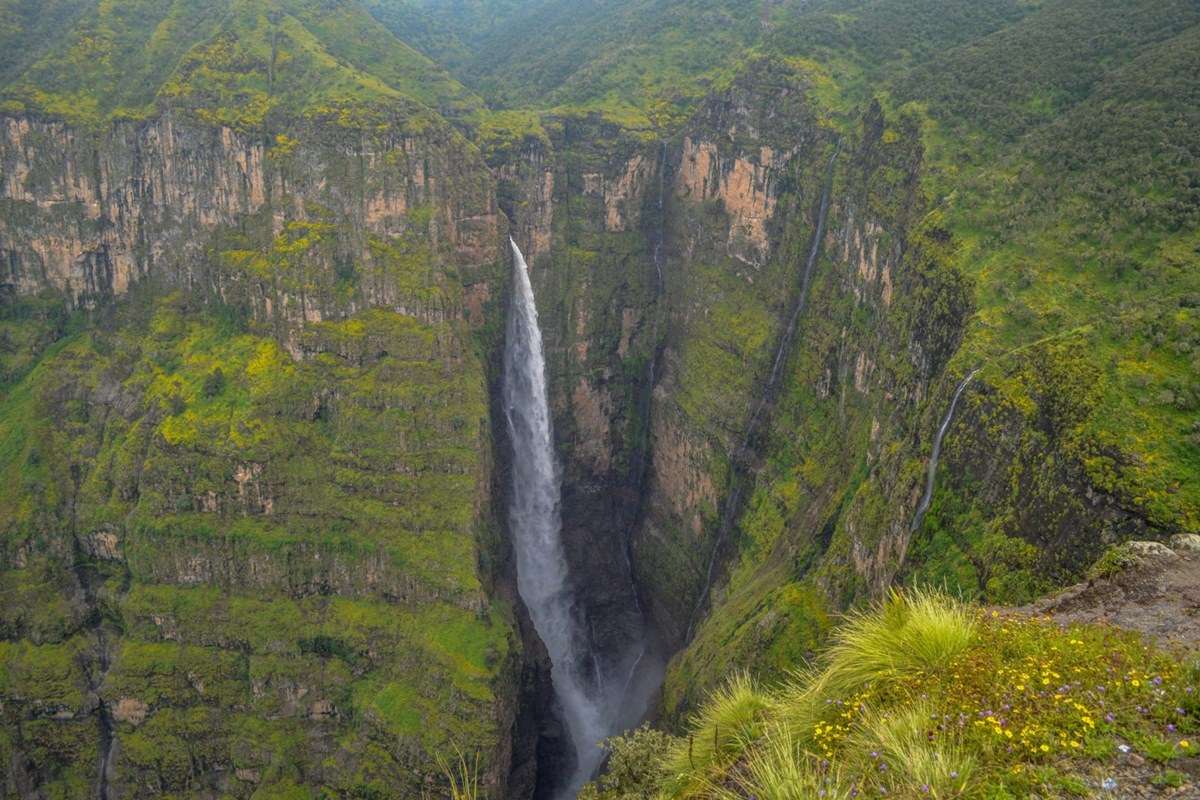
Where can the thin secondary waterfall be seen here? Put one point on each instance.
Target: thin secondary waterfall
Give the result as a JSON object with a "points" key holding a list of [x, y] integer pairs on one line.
{"points": [[536, 524], [654, 678], [662, 226], [733, 501], [931, 477]]}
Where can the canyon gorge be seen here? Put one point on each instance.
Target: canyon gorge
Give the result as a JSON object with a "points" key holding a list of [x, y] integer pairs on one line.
{"points": [[388, 385]]}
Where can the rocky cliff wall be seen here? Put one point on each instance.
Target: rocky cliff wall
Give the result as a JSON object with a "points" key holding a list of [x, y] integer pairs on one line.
{"points": [[667, 273], [91, 214], [249, 517], [823, 519], [585, 207]]}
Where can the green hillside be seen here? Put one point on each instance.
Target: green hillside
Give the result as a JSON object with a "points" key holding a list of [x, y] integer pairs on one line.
{"points": [[921, 697], [235, 62], [254, 287]]}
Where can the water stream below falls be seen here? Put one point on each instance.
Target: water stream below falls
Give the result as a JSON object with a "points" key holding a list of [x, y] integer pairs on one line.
{"points": [[598, 698]]}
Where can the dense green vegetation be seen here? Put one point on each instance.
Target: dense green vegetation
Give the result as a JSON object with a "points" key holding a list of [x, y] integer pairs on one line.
{"points": [[171, 455], [28, 29], [924, 697], [280, 528], [235, 62], [448, 31], [277, 541], [249, 538]]}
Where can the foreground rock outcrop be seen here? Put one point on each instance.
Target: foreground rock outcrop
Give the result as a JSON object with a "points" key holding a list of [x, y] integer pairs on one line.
{"points": [[1150, 587]]}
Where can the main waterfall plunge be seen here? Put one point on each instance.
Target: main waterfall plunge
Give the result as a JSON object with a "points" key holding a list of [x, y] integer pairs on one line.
{"points": [[599, 694]]}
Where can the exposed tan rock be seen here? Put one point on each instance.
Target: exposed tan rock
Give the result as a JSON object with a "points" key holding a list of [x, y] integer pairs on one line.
{"points": [[540, 240], [1158, 595], [744, 187], [168, 629], [582, 317], [104, 545], [477, 296], [620, 198], [680, 468], [1149, 550], [208, 502], [153, 193], [860, 250], [130, 710], [697, 171], [533, 227], [593, 184], [886, 280], [863, 366], [1185, 543], [254, 495]]}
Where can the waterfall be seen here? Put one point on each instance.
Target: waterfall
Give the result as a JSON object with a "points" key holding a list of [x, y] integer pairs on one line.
{"points": [[536, 525], [923, 507], [662, 224]]}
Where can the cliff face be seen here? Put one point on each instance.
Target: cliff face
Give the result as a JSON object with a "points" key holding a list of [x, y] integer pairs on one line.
{"points": [[90, 215], [769, 486], [250, 500], [249, 521], [666, 276], [774, 506], [584, 205]]}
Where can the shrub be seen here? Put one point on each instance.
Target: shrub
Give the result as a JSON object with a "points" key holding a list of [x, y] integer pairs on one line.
{"points": [[635, 766], [214, 383], [1115, 560]]}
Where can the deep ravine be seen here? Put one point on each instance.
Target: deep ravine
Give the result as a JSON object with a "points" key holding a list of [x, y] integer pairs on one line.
{"points": [[741, 457], [596, 702]]}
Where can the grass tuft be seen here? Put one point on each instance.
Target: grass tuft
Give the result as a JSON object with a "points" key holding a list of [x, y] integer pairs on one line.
{"points": [[909, 757], [906, 635], [462, 776], [722, 730], [925, 697], [781, 770]]}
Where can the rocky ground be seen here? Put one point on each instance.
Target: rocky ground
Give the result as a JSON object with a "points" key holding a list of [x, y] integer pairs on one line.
{"points": [[1153, 588]]}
